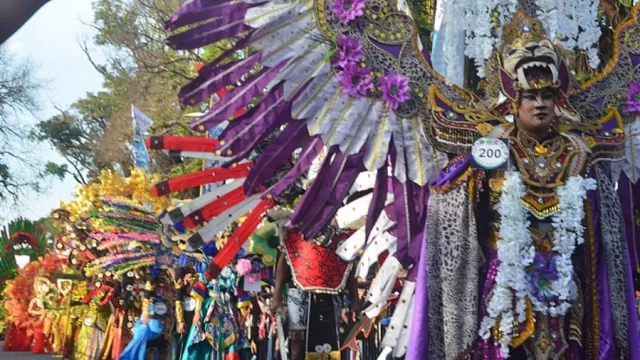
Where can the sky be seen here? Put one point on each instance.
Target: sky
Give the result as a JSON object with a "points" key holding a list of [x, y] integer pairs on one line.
{"points": [[50, 40]]}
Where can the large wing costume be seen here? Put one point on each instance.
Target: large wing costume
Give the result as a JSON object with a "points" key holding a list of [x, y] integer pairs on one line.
{"points": [[349, 76]]}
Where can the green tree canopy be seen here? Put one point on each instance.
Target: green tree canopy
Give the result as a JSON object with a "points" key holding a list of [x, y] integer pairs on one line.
{"points": [[95, 133]]}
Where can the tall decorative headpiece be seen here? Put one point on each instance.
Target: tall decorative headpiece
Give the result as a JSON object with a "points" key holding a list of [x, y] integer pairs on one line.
{"points": [[528, 58]]}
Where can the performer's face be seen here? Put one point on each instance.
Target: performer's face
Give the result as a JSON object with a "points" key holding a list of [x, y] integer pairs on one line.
{"points": [[536, 111]]}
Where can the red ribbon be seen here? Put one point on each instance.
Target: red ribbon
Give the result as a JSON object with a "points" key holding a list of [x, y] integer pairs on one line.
{"points": [[224, 257], [182, 143], [200, 178]]}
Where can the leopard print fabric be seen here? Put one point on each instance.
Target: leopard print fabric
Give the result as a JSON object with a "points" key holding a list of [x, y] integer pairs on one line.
{"points": [[453, 263], [614, 244]]}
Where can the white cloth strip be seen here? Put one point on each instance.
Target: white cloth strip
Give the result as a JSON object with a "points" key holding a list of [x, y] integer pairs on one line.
{"points": [[381, 286], [202, 201], [392, 334], [209, 231]]}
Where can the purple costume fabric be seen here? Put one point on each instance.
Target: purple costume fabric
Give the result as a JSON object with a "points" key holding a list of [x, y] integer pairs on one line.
{"points": [[419, 344], [605, 347], [629, 194]]}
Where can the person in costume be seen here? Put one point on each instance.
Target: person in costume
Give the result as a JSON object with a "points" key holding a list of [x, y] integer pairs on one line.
{"points": [[503, 210], [184, 311], [36, 309], [197, 346], [222, 320], [151, 325], [92, 334], [316, 279]]}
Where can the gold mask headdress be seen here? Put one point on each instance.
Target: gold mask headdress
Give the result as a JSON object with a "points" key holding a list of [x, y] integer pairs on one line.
{"points": [[528, 58]]}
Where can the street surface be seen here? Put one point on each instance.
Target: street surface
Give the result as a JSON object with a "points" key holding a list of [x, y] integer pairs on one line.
{"points": [[21, 355]]}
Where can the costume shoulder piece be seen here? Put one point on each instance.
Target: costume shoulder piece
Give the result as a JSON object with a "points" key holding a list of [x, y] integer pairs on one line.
{"points": [[349, 73], [605, 93]]}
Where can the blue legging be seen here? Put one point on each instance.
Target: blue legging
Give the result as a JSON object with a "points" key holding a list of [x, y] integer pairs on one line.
{"points": [[137, 348]]}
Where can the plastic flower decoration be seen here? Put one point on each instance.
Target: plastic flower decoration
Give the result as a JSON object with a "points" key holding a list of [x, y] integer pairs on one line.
{"points": [[243, 267], [542, 274], [347, 10], [356, 81], [395, 89], [633, 98], [349, 52]]}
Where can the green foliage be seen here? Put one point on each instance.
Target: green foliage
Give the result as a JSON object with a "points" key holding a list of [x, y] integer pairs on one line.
{"points": [[19, 164], [13, 243], [95, 133], [59, 171], [3, 314]]}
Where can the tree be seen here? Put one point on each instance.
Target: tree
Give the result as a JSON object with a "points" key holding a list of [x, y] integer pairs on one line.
{"points": [[19, 168], [96, 132], [75, 133]]}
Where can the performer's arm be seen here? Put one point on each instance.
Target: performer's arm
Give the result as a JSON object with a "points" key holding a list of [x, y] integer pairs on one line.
{"points": [[354, 295], [180, 294], [149, 290], [283, 273], [14, 13], [198, 293]]}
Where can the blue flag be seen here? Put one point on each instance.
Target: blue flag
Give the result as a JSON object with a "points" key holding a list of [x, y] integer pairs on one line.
{"points": [[141, 124]]}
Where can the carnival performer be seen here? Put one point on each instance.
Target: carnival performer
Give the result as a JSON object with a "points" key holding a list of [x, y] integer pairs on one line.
{"points": [[197, 346], [316, 279], [18, 303], [222, 320], [522, 254], [122, 319], [37, 309], [184, 311], [150, 327], [92, 335]]}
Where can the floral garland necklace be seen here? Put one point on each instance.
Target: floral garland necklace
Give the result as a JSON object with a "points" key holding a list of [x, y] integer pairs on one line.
{"points": [[517, 280]]}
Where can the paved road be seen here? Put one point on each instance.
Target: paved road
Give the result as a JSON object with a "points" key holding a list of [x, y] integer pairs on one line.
{"points": [[21, 355]]}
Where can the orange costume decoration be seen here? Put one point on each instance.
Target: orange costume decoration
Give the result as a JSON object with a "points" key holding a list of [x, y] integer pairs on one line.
{"points": [[17, 295]]}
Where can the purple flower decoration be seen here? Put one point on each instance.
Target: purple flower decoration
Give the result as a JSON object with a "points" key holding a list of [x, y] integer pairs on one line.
{"points": [[395, 89], [347, 10], [633, 98], [542, 273], [349, 52], [355, 80]]}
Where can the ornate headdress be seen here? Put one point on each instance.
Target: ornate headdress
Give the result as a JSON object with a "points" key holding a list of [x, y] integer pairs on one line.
{"points": [[528, 59]]}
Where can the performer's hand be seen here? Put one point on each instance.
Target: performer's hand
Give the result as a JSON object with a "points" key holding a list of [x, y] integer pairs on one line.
{"points": [[196, 319], [181, 328], [276, 305], [254, 347], [356, 308], [144, 319]]}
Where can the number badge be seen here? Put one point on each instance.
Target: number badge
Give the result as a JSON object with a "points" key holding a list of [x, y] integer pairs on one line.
{"points": [[490, 153]]}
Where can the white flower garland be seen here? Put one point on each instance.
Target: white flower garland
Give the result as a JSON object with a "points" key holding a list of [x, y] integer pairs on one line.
{"points": [[516, 252], [575, 22], [453, 36], [568, 232], [578, 26]]}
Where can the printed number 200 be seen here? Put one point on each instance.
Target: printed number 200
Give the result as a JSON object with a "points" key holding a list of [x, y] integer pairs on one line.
{"points": [[490, 153]]}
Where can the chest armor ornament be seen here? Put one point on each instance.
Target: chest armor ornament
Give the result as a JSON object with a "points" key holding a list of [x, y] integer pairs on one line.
{"points": [[545, 166]]}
